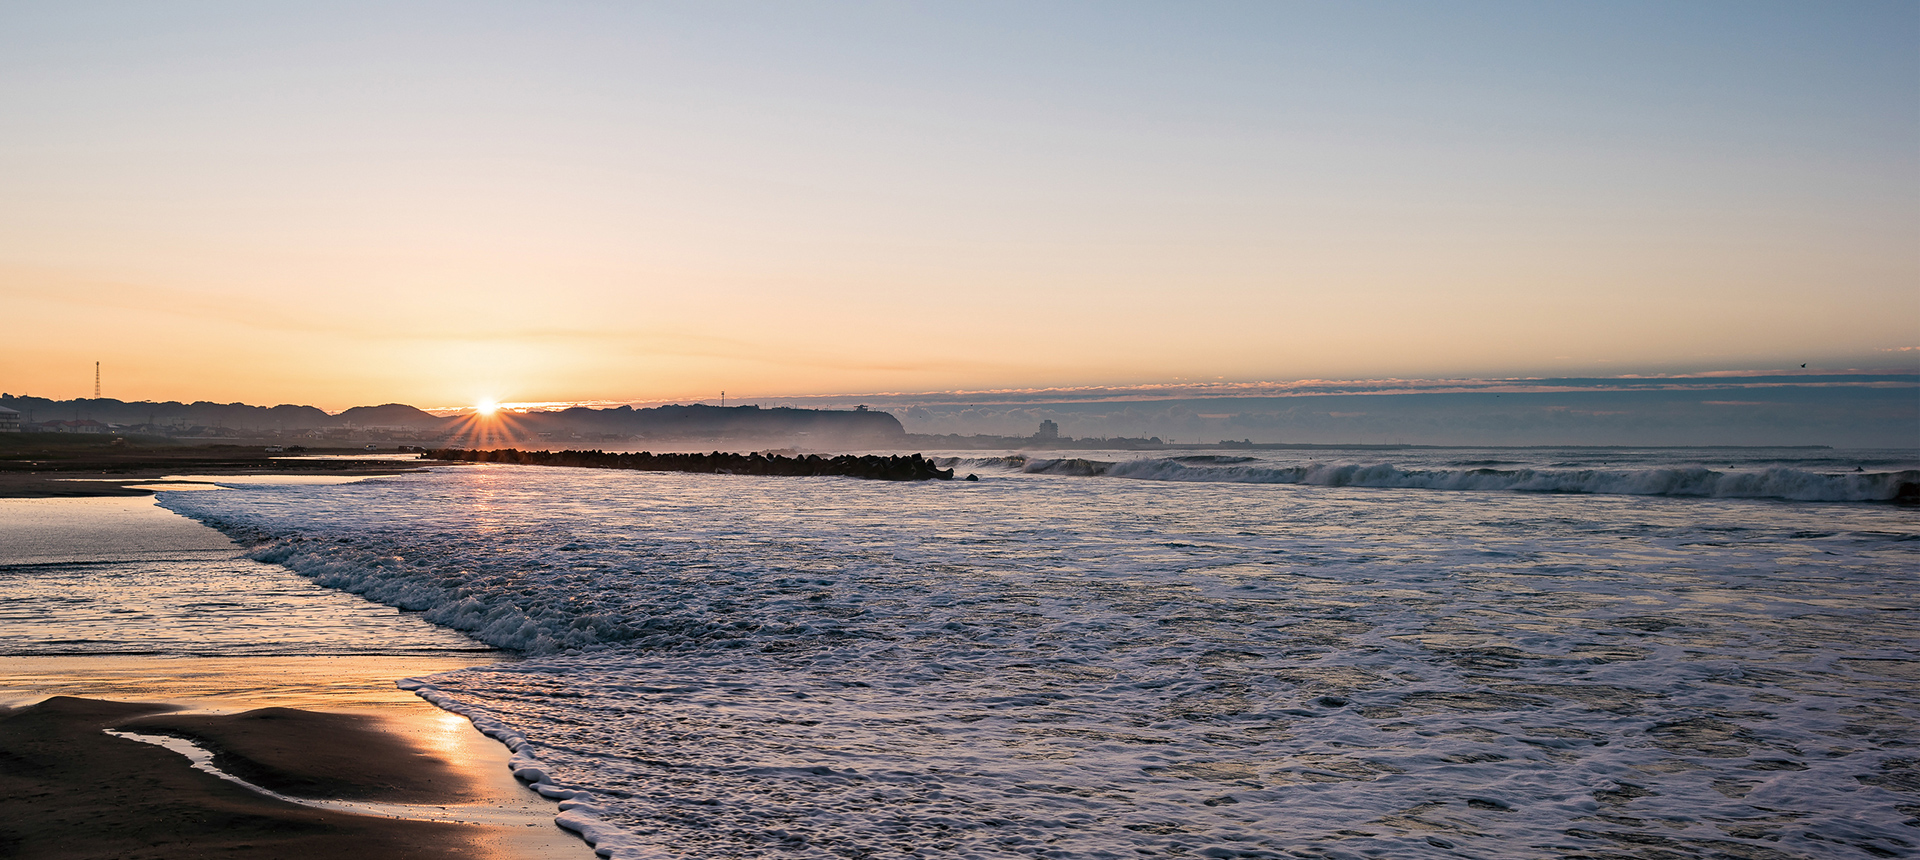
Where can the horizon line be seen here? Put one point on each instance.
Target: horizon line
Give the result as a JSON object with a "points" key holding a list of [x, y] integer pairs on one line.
{"points": [[1226, 390]]}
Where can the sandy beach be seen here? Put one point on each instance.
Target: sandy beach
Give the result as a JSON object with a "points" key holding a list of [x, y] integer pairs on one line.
{"points": [[73, 791], [417, 781]]}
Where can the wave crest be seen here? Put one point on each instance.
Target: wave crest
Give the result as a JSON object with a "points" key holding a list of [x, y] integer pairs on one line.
{"points": [[1698, 481]]}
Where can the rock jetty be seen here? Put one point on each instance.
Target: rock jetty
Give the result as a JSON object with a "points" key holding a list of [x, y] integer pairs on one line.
{"points": [[870, 466]]}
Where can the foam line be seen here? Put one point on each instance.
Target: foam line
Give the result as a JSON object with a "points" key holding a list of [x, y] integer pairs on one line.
{"points": [[1776, 483], [479, 814]]}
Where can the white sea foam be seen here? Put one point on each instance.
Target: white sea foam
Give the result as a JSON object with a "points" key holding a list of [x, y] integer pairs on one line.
{"points": [[1039, 667], [1771, 483]]}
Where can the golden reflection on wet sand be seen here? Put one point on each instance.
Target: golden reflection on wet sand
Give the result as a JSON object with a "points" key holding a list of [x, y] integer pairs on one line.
{"points": [[42, 531]]}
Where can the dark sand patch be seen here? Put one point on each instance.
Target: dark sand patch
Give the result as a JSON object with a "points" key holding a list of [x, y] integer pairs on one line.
{"points": [[70, 791], [313, 754]]}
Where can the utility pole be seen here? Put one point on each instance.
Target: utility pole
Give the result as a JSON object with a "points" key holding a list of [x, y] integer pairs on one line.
{"points": [[723, 399]]}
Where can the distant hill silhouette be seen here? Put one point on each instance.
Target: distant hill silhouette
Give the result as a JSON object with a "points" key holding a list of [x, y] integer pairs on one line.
{"points": [[391, 415], [739, 425], [172, 412]]}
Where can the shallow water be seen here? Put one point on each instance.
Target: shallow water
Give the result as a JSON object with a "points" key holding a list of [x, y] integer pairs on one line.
{"points": [[120, 576], [1054, 666]]}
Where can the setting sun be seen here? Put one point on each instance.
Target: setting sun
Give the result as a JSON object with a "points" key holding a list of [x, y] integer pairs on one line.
{"points": [[486, 407]]}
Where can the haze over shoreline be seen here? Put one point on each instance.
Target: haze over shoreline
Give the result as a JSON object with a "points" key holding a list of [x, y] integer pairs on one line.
{"points": [[1872, 409]]}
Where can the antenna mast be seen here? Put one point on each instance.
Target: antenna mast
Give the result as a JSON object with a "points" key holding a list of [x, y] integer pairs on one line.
{"points": [[96, 380]]}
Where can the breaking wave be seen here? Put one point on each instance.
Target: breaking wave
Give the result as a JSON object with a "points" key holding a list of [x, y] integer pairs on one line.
{"points": [[1040, 667], [1775, 483]]}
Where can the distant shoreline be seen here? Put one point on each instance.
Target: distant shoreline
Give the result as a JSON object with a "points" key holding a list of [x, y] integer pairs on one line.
{"points": [[38, 465], [870, 466], [989, 443]]}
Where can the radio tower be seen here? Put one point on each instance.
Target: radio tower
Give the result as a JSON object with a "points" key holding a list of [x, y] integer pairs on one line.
{"points": [[96, 380]]}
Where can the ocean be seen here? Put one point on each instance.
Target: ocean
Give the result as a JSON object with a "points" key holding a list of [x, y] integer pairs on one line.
{"points": [[1488, 653]]}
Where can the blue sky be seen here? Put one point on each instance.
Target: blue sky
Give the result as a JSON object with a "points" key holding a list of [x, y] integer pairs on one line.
{"points": [[437, 203]]}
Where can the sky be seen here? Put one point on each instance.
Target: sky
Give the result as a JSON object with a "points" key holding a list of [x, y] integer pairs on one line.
{"points": [[436, 203]]}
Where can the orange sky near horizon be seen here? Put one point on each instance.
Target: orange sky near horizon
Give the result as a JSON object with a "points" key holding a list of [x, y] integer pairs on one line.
{"points": [[362, 204]]}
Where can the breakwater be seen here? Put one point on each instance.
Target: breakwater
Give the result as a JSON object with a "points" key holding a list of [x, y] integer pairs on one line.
{"points": [[870, 466]]}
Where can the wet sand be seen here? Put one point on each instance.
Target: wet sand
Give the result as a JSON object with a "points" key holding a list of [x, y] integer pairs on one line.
{"points": [[310, 727], [71, 791], [69, 469], [144, 482]]}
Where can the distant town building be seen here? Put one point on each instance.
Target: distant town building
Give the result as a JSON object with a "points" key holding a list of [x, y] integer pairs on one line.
{"points": [[1048, 430], [9, 420]]}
